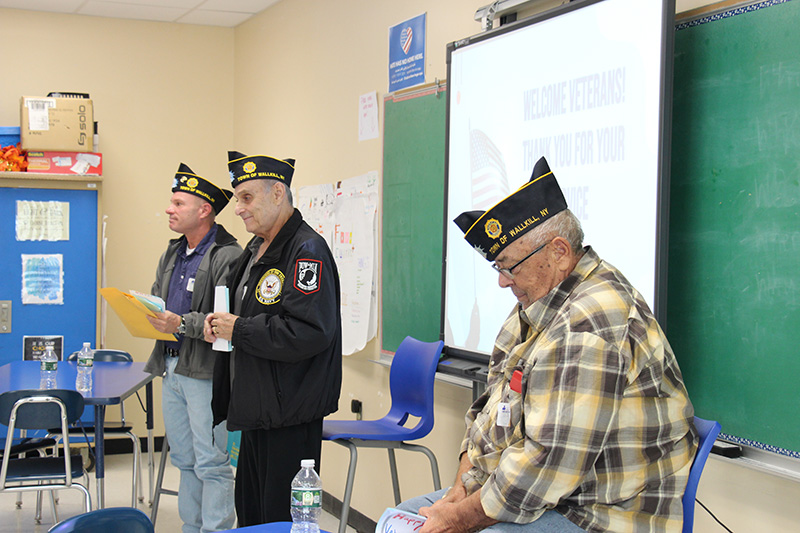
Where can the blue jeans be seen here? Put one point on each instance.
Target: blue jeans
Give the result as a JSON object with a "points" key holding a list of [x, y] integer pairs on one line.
{"points": [[205, 501], [550, 522]]}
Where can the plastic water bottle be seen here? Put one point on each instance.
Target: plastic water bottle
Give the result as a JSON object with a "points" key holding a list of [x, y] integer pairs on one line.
{"points": [[306, 499], [48, 365], [83, 383]]}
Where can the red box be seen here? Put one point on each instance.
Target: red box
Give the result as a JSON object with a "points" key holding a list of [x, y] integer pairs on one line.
{"points": [[79, 163]]}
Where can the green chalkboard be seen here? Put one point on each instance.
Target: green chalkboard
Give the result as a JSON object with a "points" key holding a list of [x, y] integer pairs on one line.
{"points": [[413, 211], [734, 255]]}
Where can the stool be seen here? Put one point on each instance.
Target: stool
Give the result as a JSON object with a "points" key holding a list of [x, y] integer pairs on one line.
{"points": [[159, 490]]}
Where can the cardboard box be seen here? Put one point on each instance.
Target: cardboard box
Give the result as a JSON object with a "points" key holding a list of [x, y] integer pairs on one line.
{"points": [[61, 124], [81, 163]]}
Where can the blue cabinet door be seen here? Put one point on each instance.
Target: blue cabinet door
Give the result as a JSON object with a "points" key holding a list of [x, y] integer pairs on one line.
{"points": [[76, 318]]}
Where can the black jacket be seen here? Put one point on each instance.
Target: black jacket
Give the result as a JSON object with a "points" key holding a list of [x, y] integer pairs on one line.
{"points": [[287, 341]]}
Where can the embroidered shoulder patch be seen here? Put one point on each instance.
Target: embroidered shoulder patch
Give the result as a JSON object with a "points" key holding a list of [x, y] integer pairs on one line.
{"points": [[268, 290], [306, 275]]}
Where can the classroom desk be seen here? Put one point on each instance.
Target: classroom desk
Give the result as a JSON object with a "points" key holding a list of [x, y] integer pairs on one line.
{"points": [[111, 384]]}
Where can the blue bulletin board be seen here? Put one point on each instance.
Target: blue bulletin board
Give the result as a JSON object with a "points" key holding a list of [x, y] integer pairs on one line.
{"points": [[76, 317]]}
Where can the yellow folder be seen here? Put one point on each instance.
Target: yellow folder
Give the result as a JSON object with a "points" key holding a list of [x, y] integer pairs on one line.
{"points": [[133, 314]]}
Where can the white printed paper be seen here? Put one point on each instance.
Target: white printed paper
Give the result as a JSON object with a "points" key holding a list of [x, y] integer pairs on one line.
{"points": [[222, 304], [38, 113], [91, 159], [396, 521], [42, 221]]}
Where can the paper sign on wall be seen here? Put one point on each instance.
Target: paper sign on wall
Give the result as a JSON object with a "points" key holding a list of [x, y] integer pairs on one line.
{"points": [[407, 53], [43, 279], [42, 221]]}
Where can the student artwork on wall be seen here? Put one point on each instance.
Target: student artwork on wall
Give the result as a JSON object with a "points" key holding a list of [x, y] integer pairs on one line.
{"points": [[42, 279], [345, 215]]}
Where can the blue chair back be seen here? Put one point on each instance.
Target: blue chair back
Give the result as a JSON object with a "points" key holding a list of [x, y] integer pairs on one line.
{"points": [[411, 383], [708, 430], [104, 355], [40, 415], [116, 519]]}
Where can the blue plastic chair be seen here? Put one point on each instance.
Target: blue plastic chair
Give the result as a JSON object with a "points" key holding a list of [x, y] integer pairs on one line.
{"points": [[41, 409], [708, 430], [116, 519], [411, 380]]}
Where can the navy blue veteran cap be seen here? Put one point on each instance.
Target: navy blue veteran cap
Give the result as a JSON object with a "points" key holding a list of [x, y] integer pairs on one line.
{"points": [[259, 167], [189, 182], [489, 232]]}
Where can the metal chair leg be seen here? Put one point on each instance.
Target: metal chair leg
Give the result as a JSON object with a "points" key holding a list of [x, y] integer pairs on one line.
{"points": [[395, 480], [158, 490], [348, 488]]}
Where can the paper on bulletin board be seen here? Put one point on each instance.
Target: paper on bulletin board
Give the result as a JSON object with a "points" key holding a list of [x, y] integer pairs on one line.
{"points": [[316, 204], [42, 221], [345, 214], [354, 249], [43, 279]]}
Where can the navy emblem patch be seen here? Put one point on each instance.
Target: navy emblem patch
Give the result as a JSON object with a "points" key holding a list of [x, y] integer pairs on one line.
{"points": [[306, 275], [268, 290]]}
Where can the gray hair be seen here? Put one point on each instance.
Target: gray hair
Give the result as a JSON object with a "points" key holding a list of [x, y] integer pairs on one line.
{"points": [[268, 187], [564, 224]]}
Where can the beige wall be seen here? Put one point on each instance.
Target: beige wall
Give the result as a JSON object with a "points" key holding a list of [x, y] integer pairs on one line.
{"points": [[163, 93], [285, 83]]}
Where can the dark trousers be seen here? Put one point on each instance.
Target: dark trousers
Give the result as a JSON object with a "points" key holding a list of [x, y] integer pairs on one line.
{"points": [[268, 461]]}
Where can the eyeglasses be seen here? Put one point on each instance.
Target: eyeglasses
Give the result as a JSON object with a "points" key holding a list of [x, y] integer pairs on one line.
{"points": [[507, 271]]}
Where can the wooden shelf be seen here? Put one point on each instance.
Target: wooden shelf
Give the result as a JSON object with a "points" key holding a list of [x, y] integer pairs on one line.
{"points": [[39, 176]]}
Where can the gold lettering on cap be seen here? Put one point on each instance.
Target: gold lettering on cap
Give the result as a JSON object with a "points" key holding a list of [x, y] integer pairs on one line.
{"points": [[523, 225]]}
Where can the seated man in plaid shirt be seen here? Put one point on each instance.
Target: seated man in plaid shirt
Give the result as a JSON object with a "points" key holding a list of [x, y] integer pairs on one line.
{"points": [[585, 424]]}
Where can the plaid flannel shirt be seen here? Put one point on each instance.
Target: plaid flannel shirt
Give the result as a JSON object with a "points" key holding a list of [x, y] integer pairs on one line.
{"points": [[600, 422]]}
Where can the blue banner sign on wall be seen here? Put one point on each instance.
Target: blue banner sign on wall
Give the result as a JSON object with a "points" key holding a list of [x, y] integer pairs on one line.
{"points": [[407, 53]]}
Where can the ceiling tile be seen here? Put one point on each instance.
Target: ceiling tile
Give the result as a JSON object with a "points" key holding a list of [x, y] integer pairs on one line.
{"points": [[239, 6], [53, 6], [214, 18], [131, 11]]}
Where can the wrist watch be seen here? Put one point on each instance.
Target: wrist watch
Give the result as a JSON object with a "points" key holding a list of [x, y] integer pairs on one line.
{"points": [[182, 327]]}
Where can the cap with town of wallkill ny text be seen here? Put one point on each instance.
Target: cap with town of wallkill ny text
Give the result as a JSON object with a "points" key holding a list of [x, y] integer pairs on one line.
{"points": [[187, 181], [253, 167], [491, 231]]}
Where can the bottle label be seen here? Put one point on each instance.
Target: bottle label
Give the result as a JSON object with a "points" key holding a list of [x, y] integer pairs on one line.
{"points": [[307, 498], [49, 366], [85, 361]]}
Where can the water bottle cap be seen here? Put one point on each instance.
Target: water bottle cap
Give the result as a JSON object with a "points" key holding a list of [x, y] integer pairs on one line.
{"points": [[87, 344], [307, 463]]}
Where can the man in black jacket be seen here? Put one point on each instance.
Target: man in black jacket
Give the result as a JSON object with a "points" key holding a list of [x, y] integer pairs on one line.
{"points": [[285, 371]]}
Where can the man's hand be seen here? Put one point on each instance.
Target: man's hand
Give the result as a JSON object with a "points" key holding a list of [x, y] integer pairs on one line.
{"points": [[464, 515], [166, 322], [218, 326]]}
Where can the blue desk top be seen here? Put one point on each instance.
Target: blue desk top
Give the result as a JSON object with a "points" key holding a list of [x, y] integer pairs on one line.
{"points": [[112, 382], [273, 527]]}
